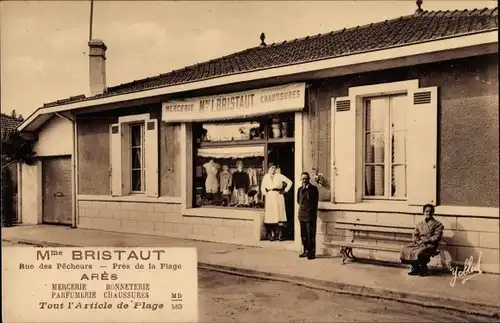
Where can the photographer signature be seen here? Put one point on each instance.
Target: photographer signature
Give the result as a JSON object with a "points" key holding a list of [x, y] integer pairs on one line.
{"points": [[470, 270]]}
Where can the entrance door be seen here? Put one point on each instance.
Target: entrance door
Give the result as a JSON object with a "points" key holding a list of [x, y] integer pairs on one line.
{"points": [[283, 155], [56, 190]]}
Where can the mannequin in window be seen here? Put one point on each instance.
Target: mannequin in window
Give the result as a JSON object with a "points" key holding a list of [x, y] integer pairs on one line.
{"points": [[241, 183], [211, 183], [274, 185], [225, 180]]}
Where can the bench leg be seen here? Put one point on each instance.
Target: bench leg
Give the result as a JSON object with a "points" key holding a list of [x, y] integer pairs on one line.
{"points": [[346, 252], [343, 252], [350, 255]]}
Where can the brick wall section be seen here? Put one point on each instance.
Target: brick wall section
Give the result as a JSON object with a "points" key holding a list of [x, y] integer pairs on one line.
{"points": [[464, 237], [162, 219]]}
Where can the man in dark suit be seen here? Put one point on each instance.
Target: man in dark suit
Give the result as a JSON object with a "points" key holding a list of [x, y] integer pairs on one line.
{"points": [[308, 197]]}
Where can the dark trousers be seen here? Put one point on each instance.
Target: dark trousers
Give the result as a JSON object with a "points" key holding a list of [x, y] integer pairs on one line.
{"points": [[308, 235], [423, 260]]}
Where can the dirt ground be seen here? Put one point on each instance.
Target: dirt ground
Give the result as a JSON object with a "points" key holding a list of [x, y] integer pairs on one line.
{"points": [[229, 298]]}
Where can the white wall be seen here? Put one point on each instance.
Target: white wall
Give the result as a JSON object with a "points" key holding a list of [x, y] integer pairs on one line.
{"points": [[55, 138], [31, 194]]}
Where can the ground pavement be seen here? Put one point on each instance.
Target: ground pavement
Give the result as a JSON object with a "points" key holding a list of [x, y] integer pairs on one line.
{"points": [[479, 295]]}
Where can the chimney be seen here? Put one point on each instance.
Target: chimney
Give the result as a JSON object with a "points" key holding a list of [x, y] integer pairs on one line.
{"points": [[97, 66], [262, 40], [419, 7]]}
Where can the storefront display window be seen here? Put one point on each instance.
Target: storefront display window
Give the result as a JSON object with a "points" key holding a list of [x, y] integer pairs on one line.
{"points": [[231, 159]]}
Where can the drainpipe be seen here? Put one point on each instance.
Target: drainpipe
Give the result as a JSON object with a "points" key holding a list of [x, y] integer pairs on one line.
{"points": [[19, 193], [73, 171]]}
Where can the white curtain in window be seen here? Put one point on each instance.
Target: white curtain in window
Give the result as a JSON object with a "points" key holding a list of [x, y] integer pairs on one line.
{"points": [[379, 153], [369, 169], [232, 152], [398, 128], [375, 122]]}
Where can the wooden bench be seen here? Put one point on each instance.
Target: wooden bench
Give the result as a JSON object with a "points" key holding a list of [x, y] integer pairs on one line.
{"points": [[356, 227]]}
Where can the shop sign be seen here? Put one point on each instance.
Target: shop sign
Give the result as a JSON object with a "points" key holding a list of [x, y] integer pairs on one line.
{"points": [[236, 105]]}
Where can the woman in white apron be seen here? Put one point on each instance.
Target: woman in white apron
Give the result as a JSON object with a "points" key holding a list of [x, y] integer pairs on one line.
{"points": [[273, 186]]}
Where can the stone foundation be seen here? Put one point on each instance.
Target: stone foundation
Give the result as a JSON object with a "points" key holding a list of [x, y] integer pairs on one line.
{"points": [[164, 219], [465, 237]]}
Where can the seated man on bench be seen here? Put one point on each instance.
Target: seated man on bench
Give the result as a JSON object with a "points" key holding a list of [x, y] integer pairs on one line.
{"points": [[426, 238]]}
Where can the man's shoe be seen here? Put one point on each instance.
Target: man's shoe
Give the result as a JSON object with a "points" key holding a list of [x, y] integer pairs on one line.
{"points": [[303, 255], [424, 271], [414, 271], [310, 257]]}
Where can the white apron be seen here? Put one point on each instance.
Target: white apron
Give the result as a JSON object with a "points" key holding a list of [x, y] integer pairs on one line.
{"points": [[275, 202]]}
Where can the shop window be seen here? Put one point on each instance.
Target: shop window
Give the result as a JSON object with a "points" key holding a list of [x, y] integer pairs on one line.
{"points": [[385, 147], [231, 158]]}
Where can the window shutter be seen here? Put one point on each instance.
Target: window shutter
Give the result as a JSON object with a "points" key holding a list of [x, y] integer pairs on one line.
{"points": [[151, 157], [344, 148], [422, 146], [115, 159]]}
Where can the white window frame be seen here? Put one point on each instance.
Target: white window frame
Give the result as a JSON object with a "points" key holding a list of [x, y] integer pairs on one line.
{"points": [[388, 164], [357, 95], [121, 168]]}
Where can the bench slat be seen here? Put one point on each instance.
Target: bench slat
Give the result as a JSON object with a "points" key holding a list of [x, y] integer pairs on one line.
{"points": [[372, 229], [366, 246], [362, 246], [374, 224]]}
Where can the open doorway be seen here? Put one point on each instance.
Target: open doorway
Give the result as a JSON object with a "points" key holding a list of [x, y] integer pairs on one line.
{"points": [[283, 155]]}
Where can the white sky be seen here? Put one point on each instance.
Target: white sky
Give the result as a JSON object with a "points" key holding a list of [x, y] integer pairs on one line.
{"points": [[44, 44]]}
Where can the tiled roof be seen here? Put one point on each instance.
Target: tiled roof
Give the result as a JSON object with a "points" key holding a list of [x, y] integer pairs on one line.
{"points": [[8, 123], [405, 30]]}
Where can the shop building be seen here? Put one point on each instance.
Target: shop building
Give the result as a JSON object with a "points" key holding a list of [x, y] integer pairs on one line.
{"points": [[385, 117]]}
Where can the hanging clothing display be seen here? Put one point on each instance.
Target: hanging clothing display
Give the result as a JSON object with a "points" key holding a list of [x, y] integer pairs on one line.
{"points": [[252, 174], [241, 180], [253, 191], [225, 179]]}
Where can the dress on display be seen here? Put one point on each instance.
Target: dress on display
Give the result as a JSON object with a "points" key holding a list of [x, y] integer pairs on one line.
{"points": [[211, 183], [241, 183], [225, 179]]}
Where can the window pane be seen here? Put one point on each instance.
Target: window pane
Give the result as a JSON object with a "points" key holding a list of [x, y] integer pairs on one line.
{"points": [[374, 180], [136, 158], [229, 176], [136, 135], [398, 147], [136, 180], [375, 148], [376, 114], [398, 112], [232, 131], [398, 181]]}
